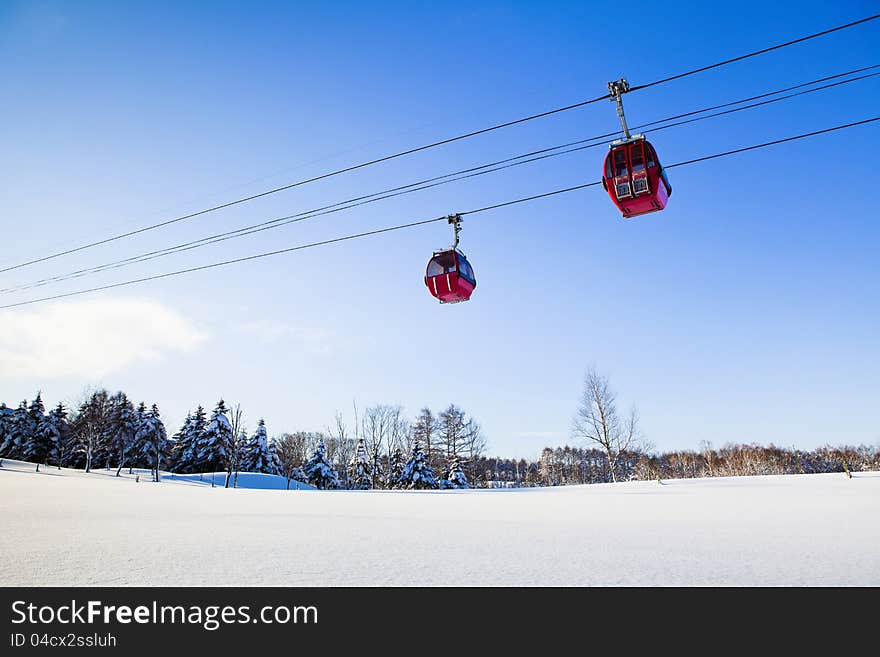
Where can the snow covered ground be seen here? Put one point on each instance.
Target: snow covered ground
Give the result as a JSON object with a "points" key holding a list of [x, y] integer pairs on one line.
{"points": [[68, 528]]}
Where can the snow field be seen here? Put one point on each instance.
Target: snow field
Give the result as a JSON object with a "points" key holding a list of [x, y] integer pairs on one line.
{"points": [[68, 528]]}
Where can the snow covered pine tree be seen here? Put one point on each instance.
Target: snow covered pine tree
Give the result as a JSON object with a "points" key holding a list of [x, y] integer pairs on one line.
{"points": [[456, 478], [36, 446], [395, 468], [122, 429], [188, 448], [179, 444], [275, 459], [152, 441], [319, 471], [417, 473], [57, 433], [360, 468], [6, 415], [18, 431], [214, 450], [258, 457]]}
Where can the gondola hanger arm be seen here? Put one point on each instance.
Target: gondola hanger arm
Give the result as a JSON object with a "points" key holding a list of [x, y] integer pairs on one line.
{"points": [[455, 221], [617, 89]]}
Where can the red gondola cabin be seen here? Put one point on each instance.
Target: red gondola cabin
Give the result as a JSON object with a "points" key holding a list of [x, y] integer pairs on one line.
{"points": [[450, 277], [634, 178]]}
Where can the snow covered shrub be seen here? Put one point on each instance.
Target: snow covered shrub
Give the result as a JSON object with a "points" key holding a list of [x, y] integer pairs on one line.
{"points": [[456, 478]]}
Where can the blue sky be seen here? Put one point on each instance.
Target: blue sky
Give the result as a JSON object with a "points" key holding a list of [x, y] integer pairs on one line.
{"points": [[746, 311]]}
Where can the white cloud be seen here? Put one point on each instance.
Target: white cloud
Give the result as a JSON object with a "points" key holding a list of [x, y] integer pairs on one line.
{"points": [[91, 337]]}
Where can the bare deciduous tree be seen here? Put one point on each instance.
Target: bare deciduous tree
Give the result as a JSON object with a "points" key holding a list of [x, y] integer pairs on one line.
{"points": [[461, 438], [237, 441], [383, 427], [292, 450], [90, 424], [341, 445], [598, 421], [423, 430], [400, 432]]}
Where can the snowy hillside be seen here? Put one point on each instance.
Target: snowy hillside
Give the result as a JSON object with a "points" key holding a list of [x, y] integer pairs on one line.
{"points": [[65, 527], [218, 479], [252, 480]]}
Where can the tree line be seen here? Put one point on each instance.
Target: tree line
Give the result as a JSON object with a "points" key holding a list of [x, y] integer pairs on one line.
{"points": [[106, 430], [562, 466], [616, 450], [384, 449]]}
